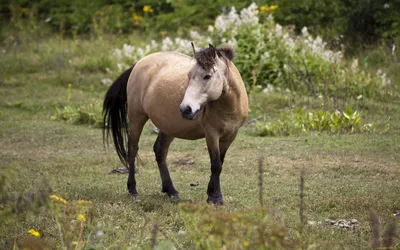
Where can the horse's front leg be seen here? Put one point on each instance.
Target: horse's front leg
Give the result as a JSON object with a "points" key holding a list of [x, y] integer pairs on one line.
{"points": [[214, 187]]}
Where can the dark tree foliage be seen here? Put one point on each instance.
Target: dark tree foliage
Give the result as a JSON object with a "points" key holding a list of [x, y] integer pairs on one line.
{"points": [[352, 21]]}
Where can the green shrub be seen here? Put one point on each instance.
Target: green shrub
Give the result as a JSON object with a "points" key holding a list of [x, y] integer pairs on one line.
{"points": [[86, 114], [268, 53], [347, 121], [335, 20]]}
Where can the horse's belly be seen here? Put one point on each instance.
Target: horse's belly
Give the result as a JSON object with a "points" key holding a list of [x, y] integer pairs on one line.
{"points": [[182, 130]]}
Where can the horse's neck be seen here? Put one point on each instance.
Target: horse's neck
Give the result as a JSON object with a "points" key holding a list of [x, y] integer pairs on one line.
{"points": [[229, 103]]}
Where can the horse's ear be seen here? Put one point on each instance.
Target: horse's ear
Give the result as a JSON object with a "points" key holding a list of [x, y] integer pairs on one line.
{"points": [[212, 50], [194, 50]]}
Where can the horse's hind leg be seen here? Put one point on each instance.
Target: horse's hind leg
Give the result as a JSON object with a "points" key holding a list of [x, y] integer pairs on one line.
{"points": [[161, 150], [135, 129]]}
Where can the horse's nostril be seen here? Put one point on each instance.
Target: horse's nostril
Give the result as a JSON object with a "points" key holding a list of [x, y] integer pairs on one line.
{"points": [[186, 110]]}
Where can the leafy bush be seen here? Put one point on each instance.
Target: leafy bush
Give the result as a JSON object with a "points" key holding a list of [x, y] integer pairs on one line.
{"points": [[86, 114], [336, 20], [268, 53], [347, 121]]}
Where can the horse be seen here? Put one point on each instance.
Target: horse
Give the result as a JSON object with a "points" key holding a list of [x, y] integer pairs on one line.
{"points": [[184, 98]]}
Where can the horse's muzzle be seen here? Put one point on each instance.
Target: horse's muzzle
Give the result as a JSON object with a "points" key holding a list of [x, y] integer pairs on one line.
{"points": [[187, 112]]}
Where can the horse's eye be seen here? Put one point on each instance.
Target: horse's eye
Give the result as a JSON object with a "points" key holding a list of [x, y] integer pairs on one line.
{"points": [[206, 77]]}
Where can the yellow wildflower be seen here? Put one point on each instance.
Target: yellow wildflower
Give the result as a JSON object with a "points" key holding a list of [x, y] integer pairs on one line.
{"points": [[147, 8], [136, 18], [163, 33], [70, 85], [82, 202], [58, 198], [33, 232], [264, 8], [82, 218], [272, 238], [270, 9], [273, 7], [246, 244], [281, 234]]}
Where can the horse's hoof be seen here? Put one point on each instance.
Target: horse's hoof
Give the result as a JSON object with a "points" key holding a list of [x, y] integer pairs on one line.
{"points": [[218, 201], [133, 195], [175, 197], [170, 191]]}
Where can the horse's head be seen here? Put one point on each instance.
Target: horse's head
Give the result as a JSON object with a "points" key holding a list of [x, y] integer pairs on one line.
{"points": [[208, 79]]}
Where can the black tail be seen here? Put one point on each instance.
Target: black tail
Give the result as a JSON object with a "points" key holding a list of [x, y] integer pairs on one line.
{"points": [[115, 110]]}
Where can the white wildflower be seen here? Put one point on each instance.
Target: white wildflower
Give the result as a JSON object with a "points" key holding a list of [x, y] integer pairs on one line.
{"points": [[278, 30], [117, 53], [195, 35], [99, 233], [140, 52], [225, 22], [232, 43], [128, 50], [210, 28], [304, 31], [122, 66], [382, 76], [183, 45], [153, 44], [249, 15], [290, 43], [181, 232], [257, 33], [265, 56], [270, 19], [386, 6], [285, 67], [354, 65], [269, 89], [106, 81], [166, 44]]}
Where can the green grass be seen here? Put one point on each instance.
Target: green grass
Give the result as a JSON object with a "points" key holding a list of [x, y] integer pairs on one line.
{"points": [[345, 175]]}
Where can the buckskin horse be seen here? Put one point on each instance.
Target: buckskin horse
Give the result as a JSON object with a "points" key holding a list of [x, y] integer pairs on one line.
{"points": [[185, 98]]}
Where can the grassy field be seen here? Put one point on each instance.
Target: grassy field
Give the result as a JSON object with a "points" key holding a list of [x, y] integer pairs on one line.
{"points": [[345, 175]]}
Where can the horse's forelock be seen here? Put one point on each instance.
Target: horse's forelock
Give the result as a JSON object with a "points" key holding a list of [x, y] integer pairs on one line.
{"points": [[206, 58]]}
